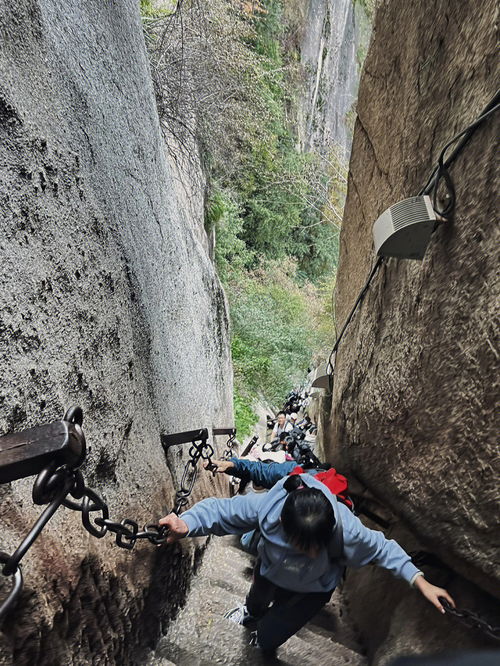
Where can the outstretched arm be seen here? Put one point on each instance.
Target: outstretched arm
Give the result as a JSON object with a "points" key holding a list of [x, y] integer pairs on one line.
{"points": [[215, 516], [362, 546], [263, 474]]}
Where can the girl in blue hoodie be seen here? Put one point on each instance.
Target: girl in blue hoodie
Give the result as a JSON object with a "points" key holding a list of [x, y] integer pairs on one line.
{"points": [[307, 539]]}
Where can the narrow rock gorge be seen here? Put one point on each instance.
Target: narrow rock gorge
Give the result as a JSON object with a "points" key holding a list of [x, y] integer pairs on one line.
{"points": [[110, 300]]}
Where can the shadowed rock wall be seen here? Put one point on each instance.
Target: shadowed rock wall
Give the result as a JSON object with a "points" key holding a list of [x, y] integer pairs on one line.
{"points": [[108, 300], [416, 375]]}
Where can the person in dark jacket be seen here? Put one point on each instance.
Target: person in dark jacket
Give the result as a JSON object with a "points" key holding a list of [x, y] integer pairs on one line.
{"points": [[298, 519], [264, 474]]}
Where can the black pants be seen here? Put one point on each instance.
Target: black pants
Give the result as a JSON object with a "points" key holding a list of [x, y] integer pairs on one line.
{"points": [[289, 612]]}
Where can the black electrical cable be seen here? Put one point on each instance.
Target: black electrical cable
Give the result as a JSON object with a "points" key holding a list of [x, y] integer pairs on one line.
{"points": [[439, 173], [361, 295], [490, 108]]}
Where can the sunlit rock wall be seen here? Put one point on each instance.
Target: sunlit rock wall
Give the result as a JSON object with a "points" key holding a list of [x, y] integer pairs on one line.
{"points": [[335, 35], [416, 375], [108, 300]]}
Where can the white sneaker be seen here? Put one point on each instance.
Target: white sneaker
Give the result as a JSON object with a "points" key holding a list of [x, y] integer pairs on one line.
{"points": [[238, 615]]}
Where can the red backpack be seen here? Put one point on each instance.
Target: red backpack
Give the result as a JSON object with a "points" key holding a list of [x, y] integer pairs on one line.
{"points": [[335, 482]]}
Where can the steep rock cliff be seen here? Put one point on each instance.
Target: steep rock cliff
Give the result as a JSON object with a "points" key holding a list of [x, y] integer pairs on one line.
{"points": [[416, 375], [334, 35], [108, 300]]}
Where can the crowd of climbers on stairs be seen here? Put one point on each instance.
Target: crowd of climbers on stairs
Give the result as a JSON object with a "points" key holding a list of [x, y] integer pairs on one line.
{"points": [[297, 518], [294, 513]]}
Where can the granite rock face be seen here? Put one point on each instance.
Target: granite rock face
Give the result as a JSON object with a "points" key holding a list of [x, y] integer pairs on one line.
{"points": [[328, 48], [108, 300], [413, 409]]}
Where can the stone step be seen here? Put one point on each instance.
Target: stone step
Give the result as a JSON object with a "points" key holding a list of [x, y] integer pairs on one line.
{"points": [[332, 622], [330, 646], [183, 656], [318, 651], [155, 659], [200, 635], [199, 627], [218, 641], [325, 625]]}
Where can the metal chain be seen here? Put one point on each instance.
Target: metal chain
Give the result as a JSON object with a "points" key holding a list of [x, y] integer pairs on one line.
{"points": [[52, 487], [229, 450], [204, 451], [228, 453], [54, 483], [127, 531], [472, 620], [15, 590]]}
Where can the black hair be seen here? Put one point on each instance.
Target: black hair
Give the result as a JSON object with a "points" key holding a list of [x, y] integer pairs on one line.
{"points": [[316, 464], [307, 516], [283, 435], [284, 414]]}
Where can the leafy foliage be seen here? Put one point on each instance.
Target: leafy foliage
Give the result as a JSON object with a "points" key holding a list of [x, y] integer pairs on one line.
{"points": [[272, 338], [244, 416], [227, 75], [149, 10], [368, 6]]}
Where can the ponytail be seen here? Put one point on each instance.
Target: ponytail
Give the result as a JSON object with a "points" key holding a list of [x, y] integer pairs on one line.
{"points": [[294, 482]]}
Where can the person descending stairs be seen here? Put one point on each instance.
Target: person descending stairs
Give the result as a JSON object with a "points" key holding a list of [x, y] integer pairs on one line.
{"points": [[307, 538], [201, 636]]}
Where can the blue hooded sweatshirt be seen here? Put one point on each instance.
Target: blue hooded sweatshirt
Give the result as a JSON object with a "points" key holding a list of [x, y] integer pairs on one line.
{"points": [[281, 563]]}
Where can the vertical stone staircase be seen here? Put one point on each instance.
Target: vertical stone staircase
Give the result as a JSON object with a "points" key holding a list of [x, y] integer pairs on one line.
{"points": [[201, 636]]}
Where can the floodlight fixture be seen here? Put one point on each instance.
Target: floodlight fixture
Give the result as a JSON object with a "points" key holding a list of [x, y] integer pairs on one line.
{"points": [[404, 230]]}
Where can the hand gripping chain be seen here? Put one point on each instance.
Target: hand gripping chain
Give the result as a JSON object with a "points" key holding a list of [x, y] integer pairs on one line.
{"points": [[54, 453], [472, 620]]}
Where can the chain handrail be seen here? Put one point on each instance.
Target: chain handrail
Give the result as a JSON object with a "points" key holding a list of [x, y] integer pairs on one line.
{"points": [[471, 620], [55, 483], [231, 442], [17, 585], [205, 452]]}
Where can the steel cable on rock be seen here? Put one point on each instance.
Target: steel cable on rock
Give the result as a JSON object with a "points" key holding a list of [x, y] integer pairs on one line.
{"points": [[438, 174], [492, 106]]}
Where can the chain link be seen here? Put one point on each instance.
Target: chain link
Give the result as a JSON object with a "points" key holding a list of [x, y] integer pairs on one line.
{"points": [[229, 450], [204, 451], [53, 485], [127, 531], [16, 587], [472, 620]]}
